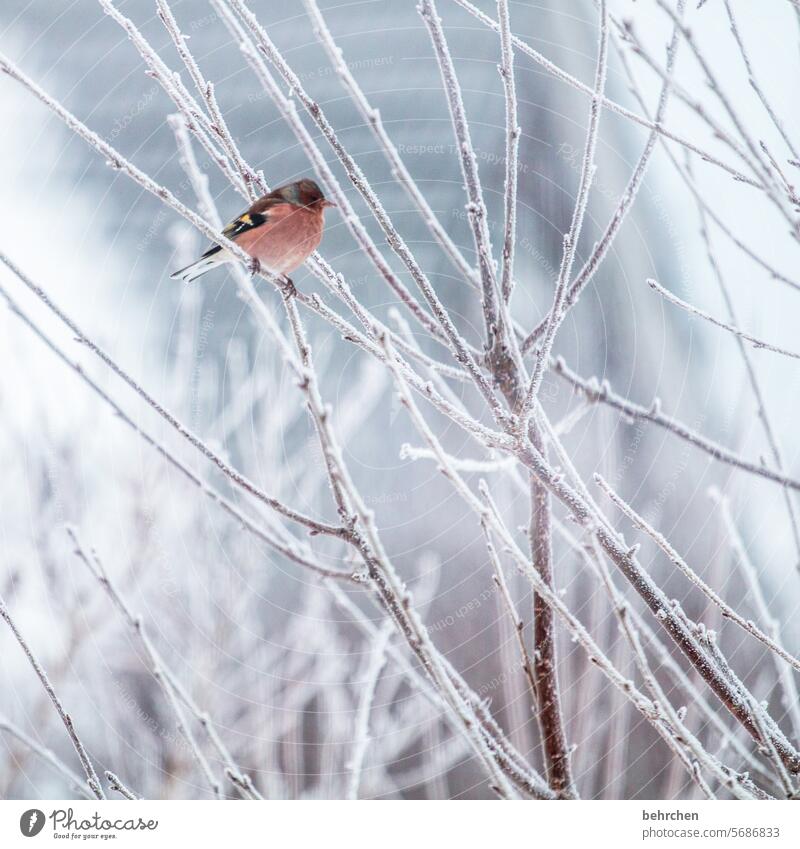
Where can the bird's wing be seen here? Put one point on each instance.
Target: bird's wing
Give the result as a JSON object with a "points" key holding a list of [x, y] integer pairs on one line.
{"points": [[256, 216], [245, 222]]}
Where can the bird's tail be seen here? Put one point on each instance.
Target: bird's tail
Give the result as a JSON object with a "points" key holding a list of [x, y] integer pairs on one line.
{"points": [[210, 259]]}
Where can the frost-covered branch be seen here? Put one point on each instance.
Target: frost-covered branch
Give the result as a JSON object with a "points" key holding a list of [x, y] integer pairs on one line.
{"points": [[756, 596], [601, 392], [377, 660], [727, 611], [83, 756], [626, 201], [558, 309], [476, 206], [166, 678], [607, 103], [47, 756], [741, 334], [372, 118]]}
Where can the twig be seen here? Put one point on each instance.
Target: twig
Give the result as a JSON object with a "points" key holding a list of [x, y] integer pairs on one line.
{"points": [[372, 118], [607, 103], [758, 710], [97, 570], [753, 340], [252, 181], [727, 611], [605, 242], [688, 179], [756, 596], [676, 625], [377, 661], [601, 392], [197, 120], [588, 167], [755, 383], [91, 776], [48, 756], [169, 680], [513, 133], [670, 726], [752, 79], [117, 786], [755, 160], [666, 660], [518, 625], [476, 206]]}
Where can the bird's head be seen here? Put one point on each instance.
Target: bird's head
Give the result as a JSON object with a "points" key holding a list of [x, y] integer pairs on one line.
{"points": [[304, 193]]}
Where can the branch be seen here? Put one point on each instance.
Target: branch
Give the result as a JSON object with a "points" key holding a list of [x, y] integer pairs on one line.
{"points": [[513, 133], [377, 661], [756, 597], [603, 246], [755, 384], [117, 786], [727, 611], [516, 621], [559, 309], [757, 343], [666, 660], [476, 206], [607, 103], [372, 118], [48, 756], [253, 182], [196, 119], [676, 625], [601, 392], [165, 678], [91, 776]]}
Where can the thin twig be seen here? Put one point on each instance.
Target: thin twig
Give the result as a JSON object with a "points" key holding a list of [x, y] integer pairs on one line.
{"points": [[118, 787], [588, 167], [98, 571], [372, 118], [755, 383], [791, 699], [607, 103], [476, 206], [518, 625], [753, 340], [48, 756], [377, 661], [513, 133], [727, 611], [601, 392], [626, 201], [91, 776], [165, 677]]}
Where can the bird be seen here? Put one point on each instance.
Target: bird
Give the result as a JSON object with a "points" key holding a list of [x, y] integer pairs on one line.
{"points": [[279, 231]]}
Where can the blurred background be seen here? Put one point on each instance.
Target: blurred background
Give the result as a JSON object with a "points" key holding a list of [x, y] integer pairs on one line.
{"points": [[274, 657]]}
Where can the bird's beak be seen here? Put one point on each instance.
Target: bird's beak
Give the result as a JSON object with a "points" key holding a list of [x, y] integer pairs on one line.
{"points": [[326, 203]]}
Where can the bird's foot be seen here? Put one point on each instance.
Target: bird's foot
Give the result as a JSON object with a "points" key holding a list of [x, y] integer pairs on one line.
{"points": [[255, 266], [288, 287]]}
